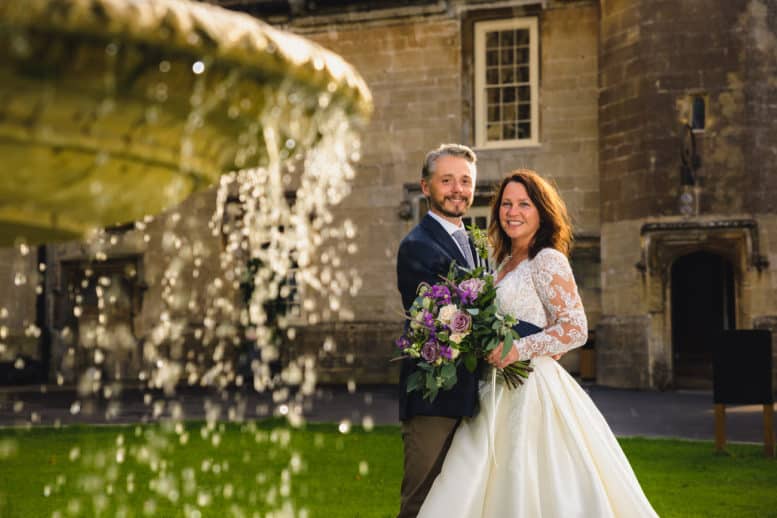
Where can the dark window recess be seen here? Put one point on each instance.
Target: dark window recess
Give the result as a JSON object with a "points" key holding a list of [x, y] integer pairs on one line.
{"points": [[698, 112]]}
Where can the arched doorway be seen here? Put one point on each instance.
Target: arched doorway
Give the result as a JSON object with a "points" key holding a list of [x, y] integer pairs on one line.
{"points": [[703, 304]]}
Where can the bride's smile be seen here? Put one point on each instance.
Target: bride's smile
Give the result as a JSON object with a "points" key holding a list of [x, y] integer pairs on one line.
{"points": [[518, 216]]}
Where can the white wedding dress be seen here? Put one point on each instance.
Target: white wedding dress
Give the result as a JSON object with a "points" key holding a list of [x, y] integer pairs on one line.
{"points": [[543, 449]]}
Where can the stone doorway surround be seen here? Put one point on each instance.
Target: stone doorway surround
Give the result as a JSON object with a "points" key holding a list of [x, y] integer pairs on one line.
{"points": [[662, 243]]}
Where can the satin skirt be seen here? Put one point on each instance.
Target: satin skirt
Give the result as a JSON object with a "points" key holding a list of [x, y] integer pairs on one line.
{"points": [[541, 450]]}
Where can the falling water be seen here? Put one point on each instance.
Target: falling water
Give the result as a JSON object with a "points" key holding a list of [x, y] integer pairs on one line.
{"points": [[222, 321]]}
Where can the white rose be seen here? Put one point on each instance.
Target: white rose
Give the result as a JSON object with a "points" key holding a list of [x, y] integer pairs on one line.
{"points": [[456, 338], [446, 313], [454, 353]]}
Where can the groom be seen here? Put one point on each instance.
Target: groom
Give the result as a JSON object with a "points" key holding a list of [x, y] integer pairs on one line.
{"points": [[425, 254]]}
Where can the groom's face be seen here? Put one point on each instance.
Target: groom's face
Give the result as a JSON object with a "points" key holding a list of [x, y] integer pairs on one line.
{"points": [[451, 187]]}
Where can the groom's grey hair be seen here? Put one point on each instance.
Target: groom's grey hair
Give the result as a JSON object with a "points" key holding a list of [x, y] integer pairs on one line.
{"points": [[457, 150]]}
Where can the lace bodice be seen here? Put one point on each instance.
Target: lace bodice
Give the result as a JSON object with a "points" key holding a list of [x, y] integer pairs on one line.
{"points": [[542, 291]]}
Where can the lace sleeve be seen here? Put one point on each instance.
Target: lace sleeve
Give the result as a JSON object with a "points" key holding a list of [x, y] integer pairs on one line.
{"points": [[567, 325]]}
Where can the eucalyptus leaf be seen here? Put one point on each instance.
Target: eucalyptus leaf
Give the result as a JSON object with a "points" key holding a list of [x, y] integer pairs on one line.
{"points": [[470, 362], [414, 381]]}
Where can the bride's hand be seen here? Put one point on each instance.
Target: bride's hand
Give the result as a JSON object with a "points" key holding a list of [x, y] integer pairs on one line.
{"points": [[495, 358]]}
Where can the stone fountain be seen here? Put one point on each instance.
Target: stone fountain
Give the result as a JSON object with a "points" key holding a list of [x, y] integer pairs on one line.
{"points": [[114, 110], [111, 110]]}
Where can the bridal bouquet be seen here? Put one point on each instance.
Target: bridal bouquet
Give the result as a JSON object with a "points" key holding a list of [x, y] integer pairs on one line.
{"points": [[456, 321]]}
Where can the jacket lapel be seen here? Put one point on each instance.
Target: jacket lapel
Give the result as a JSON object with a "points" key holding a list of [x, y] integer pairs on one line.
{"points": [[435, 230]]}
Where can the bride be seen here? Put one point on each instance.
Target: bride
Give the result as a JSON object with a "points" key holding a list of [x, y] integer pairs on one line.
{"points": [[542, 449]]}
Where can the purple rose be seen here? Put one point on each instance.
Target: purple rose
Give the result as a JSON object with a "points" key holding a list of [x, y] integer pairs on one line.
{"points": [[402, 343], [467, 292], [446, 352], [430, 351], [440, 293], [461, 322], [473, 286]]}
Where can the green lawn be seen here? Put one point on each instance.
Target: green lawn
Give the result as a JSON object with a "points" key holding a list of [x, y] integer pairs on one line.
{"points": [[259, 469]]}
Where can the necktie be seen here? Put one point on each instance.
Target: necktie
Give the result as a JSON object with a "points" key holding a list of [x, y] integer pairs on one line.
{"points": [[461, 238]]}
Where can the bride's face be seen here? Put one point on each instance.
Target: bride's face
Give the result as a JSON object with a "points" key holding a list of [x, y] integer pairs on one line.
{"points": [[518, 215]]}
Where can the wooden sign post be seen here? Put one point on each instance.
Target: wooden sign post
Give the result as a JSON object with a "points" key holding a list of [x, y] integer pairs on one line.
{"points": [[742, 375]]}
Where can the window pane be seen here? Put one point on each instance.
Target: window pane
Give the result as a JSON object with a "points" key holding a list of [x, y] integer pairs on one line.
{"points": [[507, 75], [481, 222], [492, 40], [492, 58], [509, 112], [524, 111], [510, 131], [508, 95], [506, 38], [524, 130], [521, 37], [522, 55], [522, 74], [494, 132], [524, 93], [508, 56], [492, 76], [492, 95], [493, 113]]}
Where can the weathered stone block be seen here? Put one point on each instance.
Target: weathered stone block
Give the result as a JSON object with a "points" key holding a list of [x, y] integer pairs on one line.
{"points": [[622, 351]]}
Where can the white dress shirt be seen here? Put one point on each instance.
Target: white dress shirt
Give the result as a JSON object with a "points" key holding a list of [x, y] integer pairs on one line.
{"points": [[450, 228]]}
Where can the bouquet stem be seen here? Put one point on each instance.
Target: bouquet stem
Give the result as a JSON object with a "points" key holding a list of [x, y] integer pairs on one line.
{"points": [[515, 373]]}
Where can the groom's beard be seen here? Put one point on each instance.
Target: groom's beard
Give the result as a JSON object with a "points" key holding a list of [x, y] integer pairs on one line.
{"points": [[452, 211]]}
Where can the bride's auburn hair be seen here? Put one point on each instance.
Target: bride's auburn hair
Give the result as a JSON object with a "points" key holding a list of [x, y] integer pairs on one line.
{"points": [[555, 230]]}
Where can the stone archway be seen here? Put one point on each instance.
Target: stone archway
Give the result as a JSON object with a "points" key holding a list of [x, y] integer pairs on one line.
{"points": [[703, 303]]}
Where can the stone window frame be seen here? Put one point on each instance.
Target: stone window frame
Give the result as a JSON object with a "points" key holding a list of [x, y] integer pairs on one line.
{"points": [[479, 30]]}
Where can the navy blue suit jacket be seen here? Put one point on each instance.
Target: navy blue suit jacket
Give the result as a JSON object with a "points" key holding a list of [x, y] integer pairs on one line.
{"points": [[425, 255]]}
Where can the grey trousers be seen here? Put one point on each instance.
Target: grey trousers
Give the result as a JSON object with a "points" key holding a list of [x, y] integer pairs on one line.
{"points": [[426, 439]]}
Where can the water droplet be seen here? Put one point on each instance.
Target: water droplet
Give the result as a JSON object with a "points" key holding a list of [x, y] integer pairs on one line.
{"points": [[32, 331], [20, 45], [344, 426]]}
